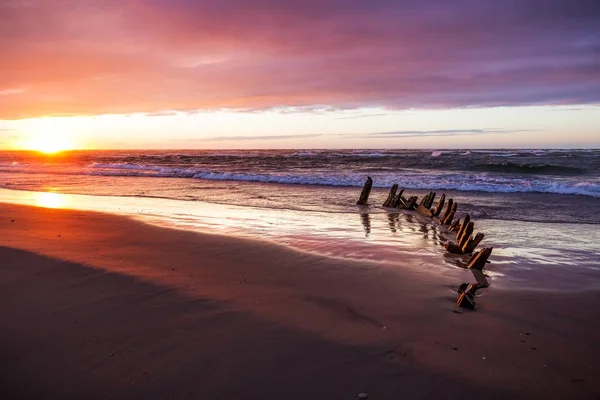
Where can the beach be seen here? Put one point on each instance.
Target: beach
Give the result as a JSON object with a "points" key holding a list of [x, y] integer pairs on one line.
{"points": [[106, 306], [281, 200]]}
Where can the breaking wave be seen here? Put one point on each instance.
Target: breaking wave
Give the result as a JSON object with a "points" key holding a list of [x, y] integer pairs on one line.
{"points": [[515, 168], [383, 179]]}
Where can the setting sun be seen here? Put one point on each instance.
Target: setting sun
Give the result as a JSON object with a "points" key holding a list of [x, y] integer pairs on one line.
{"points": [[49, 143]]}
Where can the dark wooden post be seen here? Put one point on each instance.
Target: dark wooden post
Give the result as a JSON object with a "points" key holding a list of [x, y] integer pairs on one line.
{"points": [[440, 206], [409, 204], [397, 202], [430, 200], [466, 235], [469, 247], [447, 212], [450, 217], [455, 225], [391, 196], [366, 191], [462, 227], [453, 248], [479, 259]]}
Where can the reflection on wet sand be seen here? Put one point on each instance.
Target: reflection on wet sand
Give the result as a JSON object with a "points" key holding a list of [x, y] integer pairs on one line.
{"points": [[410, 219], [366, 222], [50, 200], [394, 221], [424, 227]]}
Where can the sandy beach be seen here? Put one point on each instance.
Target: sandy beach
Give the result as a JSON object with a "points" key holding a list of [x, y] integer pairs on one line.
{"points": [[106, 307]]}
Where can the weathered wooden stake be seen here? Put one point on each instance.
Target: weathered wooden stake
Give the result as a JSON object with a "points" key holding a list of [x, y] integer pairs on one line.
{"points": [[479, 259], [409, 204], [463, 226], [453, 248], [424, 211], [470, 246], [440, 206], [366, 191], [447, 212], [450, 216], [455, 225], [466, 300], [397, 202], [430, 200], [467, 232], [391, 196]]}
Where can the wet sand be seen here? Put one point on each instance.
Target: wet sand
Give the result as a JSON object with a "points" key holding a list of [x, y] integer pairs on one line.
{"points": [[99, 306]]}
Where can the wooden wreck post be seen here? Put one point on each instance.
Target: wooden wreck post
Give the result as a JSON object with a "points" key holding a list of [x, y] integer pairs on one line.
{"points": [[424, 211], [447, 212], [480, 258], [409, 204], [470, 246], [397, 202], [391, 196], [448, 219], [440, 206], [430, 200], [455, 225], [453, 248], [463, 226], [366, 191], [466, 235]]}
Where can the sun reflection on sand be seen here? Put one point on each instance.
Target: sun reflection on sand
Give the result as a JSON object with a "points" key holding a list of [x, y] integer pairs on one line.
{"points": [[51, 200]]}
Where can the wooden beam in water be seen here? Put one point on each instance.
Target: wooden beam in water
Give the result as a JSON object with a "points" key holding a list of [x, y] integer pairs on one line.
{"points": [[453, 248], [479, 259], [455, 226], [463, 226], [467, 232], [440, 206], [470, 246], [448, 219], [424, 211], [397, 202], [447, 212], [430, 200], [411, 202], [391, 196], [366, 191]]}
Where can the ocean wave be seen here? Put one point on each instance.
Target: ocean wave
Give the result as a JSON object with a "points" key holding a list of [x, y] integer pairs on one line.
{"points": [[383, 179], [384, 176], [509, 167]]}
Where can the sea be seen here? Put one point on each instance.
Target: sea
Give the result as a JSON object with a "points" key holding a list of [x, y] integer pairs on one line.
{"points": [[539, 208]]}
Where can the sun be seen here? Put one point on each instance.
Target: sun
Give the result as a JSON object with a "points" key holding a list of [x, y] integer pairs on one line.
{"points": [[49, 143]]}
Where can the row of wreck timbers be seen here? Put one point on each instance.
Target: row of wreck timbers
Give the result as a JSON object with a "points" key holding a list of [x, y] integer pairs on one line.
{"points": [[466, 242]]}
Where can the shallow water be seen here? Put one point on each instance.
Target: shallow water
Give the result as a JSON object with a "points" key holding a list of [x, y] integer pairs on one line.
{"points": [[532, 255]]}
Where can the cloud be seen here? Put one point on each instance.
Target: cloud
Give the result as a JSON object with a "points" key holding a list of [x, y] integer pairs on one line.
{"points": [[441, 132], [263, 137], [96, 57], [368, 135]]}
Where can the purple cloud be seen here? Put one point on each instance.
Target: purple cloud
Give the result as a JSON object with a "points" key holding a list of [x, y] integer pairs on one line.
{"points": [[89, 57]]}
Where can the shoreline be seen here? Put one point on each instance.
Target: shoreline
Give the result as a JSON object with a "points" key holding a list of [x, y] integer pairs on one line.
{"points": [[129, 310], [527, 255]]}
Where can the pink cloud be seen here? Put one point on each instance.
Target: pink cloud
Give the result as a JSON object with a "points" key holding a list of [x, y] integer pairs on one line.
{"points": [[91, 57]]}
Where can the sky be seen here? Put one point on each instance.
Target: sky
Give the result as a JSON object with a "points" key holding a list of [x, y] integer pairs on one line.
{"points": [[299, 74]]}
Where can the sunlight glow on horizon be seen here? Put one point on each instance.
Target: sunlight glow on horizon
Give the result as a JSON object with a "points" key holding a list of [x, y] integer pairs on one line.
{"points": [[507, 127]]}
